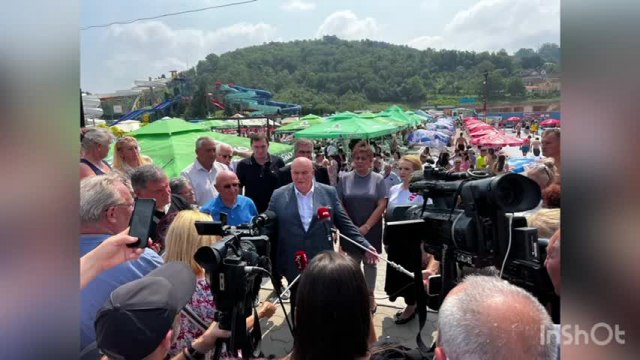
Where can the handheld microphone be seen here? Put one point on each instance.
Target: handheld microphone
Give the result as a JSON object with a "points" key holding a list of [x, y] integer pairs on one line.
{"points": [[301, 260], [324, 215]]}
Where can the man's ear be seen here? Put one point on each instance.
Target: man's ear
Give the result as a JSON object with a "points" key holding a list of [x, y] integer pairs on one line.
{"points": [[111, 215]]}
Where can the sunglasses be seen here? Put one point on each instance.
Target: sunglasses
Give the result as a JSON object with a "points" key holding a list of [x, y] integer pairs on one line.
{"points": [[228, 186]]}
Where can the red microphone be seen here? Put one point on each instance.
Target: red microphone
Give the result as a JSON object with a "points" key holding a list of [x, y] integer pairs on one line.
{"points": [[324, 215], [301, 260]]}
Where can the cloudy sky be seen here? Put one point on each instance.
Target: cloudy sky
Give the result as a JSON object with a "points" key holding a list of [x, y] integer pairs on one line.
{"points": [[112, 57]]}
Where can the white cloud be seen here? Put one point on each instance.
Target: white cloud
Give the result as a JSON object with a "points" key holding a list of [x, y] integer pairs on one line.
{"points": [[424, 42], [151, 48], [298, 6], [494, 24], [346, 25]]}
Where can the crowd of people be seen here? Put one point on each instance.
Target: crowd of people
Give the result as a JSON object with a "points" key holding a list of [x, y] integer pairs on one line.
{"points": [[144, 290]]}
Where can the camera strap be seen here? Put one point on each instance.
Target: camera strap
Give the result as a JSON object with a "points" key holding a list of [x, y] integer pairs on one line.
{"points": [[195, 319]]}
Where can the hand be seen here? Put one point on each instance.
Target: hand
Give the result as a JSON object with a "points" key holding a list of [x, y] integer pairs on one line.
{"points": [[154, 246], [266, 310], [370, 258], [207, 341], [114, 251], [364, 229]]}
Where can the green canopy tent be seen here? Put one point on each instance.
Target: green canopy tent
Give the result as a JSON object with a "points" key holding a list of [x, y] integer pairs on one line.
{"points": [[302, 124], [218, 124], [384, 119], [395, 112], [171, 145], [348, 128]]}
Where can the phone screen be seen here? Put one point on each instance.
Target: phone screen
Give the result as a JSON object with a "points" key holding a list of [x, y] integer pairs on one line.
{"points": [[141, 221]]}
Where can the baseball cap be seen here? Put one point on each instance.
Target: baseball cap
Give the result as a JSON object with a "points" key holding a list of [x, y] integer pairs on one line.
{"points": [[137, 316]]}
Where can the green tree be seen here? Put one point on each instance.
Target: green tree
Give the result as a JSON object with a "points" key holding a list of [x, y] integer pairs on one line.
{"points": [[515, 88]]}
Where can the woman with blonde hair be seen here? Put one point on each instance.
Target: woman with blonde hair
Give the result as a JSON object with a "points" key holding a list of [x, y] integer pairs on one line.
{"points": [[182, 241], [126, 155], [547, 221], [399, 195]]}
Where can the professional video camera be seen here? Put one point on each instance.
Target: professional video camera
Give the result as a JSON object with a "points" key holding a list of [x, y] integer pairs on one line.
{"points": [[467, 225], [235, 267]]}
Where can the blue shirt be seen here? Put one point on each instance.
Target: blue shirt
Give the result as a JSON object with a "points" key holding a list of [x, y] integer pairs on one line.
{"points": [[241, 213], [94, 295]]}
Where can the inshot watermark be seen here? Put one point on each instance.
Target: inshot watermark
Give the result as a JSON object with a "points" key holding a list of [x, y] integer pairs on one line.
{"points": [[600, 334]]}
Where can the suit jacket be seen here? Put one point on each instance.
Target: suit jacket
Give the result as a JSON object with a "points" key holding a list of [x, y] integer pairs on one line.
{"points": [[290, 233], [321, 175]]}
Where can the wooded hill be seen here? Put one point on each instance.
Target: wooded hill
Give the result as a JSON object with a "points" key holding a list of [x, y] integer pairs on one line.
{"points": [[331, 74]]}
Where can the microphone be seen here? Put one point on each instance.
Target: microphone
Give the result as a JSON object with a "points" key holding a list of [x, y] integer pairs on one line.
{"points": [[300, 259], [324, 215]]}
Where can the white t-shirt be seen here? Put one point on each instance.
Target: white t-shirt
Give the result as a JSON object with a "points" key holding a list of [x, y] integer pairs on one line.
{"points": [[400, 197]]}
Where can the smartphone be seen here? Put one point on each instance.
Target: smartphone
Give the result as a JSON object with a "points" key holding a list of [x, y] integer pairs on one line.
{"points": [[435, 285], [141, 221]]}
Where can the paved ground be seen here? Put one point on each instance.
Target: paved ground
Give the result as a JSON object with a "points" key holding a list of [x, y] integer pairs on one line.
{"points": [[277, 339]]}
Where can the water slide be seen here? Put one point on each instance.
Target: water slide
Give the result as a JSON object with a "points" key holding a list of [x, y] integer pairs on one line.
{"points": [[135, 114], [255, 100]]}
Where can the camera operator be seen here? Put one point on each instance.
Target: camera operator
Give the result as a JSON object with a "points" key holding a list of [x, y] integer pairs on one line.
{"points": [[140, 319], [182, 242], [487, 318], [299, 229]]}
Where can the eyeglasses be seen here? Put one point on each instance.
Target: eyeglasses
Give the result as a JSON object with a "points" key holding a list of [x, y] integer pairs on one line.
{"points": [[121, 205], [228, 186], [225, 156]]}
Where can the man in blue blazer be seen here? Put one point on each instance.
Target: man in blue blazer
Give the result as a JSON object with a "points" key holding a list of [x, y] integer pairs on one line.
{"points": [[298, 226]]}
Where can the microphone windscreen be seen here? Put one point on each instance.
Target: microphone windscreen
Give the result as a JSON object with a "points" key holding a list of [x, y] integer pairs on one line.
{"points": [[301, 260], [323, 213]]}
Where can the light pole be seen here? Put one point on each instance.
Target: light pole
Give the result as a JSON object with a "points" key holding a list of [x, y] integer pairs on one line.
{"points": [[486, 93]]}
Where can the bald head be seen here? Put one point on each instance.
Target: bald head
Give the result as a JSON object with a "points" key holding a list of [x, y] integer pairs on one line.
{"points": [[225, 176], [486, 315], [302, 174], [228, 187]]}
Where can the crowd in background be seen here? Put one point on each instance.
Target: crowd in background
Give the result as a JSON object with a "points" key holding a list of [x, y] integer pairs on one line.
{"points": [[369, 179]]}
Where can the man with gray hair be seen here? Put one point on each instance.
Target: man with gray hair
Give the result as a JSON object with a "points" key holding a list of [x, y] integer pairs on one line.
{"points": [[201, 173], [485, 317], [106, 205], [224, 153], [150, 182]]}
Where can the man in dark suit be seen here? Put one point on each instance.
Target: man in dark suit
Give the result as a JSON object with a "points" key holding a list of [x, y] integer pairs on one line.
{"points": [[303, 148], [298, 227]]}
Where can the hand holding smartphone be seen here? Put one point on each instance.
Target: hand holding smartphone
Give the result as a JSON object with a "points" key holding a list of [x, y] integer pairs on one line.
{"points": [[141, 221]]}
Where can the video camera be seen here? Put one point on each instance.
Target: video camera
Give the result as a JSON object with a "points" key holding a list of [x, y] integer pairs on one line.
{"points": [[235, 267], [467, 226]]}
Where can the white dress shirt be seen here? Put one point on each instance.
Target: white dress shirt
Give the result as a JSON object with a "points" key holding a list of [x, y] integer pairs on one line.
{"points": [[202, 182], [305, 206]]}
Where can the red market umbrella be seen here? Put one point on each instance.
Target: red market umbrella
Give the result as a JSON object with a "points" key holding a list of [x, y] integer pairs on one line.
{"points": [[513, 119], [497, 140], [470, 118], [479, 126], [550, 122], [484, 132]]}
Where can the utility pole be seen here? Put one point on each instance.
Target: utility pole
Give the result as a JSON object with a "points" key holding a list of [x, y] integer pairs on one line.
{"points": [[486, 93]]}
